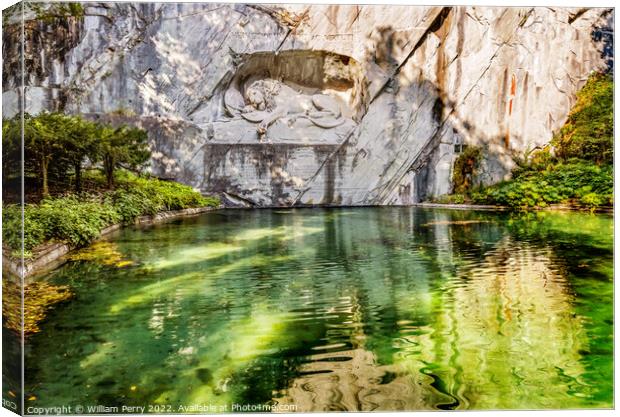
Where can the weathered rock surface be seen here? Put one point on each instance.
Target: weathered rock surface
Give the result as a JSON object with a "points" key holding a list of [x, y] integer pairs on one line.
{"points": [[303, 105]]}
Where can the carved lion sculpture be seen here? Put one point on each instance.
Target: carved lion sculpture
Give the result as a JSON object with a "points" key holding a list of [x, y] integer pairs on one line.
{"points": [[267, 100]]}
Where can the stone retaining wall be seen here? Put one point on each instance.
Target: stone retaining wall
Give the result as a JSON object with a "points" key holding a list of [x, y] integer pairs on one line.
{"points": [[52, 255]]}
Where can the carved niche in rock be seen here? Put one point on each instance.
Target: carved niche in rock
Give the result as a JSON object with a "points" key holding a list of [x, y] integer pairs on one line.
{"points": [[299, 88]]}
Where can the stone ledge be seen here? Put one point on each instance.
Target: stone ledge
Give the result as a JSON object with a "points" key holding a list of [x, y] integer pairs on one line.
{"points": [[51, 255], [461, 206]]}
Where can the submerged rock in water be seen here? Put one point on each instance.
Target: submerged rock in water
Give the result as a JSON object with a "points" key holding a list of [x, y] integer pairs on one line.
{"points": [[105, 253], [204, 375]]}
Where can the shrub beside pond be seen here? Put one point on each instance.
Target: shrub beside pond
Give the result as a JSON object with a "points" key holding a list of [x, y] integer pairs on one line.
{"points": [[78, 218], [576, 169], [577, 183]]}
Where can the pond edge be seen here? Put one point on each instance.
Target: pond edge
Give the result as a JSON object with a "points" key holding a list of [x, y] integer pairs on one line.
{"points": [[51, 255]]}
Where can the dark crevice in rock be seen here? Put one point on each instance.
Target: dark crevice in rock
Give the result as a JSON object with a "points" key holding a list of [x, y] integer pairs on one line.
{"points": [[330, 169], [574, 16]]}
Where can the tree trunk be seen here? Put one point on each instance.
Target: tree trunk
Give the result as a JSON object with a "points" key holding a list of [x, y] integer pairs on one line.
{"points": [[110, 178], [108, 167], [78, 177], [44, 166]]}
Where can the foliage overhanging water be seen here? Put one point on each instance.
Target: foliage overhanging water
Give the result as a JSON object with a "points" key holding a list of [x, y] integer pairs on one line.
{"points": [[343, 309]]}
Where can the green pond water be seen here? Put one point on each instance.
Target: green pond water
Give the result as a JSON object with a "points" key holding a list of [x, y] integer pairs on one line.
{"points": [[335, 309]]}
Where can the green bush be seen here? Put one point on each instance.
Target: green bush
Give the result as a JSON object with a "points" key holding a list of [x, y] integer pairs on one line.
{"points": [[69, 219], [561, 183], [154, 195], [131, 204], [34, 231], [72, 219], [592, 200], [79, 218]]}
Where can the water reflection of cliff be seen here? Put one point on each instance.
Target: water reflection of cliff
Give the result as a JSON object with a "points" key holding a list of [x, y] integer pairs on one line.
{"points": [[505, 332], [487, 323]]}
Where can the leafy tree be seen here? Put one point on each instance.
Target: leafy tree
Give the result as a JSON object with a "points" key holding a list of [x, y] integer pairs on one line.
{"points": [[81, 142], [11, 147], [48, 12], [121, 147], [54, 143], [44, 137]]}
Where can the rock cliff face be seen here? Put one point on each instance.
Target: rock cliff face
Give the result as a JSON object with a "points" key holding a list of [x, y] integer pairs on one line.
{"points": [[306, 105]]}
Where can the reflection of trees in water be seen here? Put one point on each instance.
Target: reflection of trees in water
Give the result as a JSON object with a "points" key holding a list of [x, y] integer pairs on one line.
{"points": [[580, 247], [11, 348], [508, 334]]}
